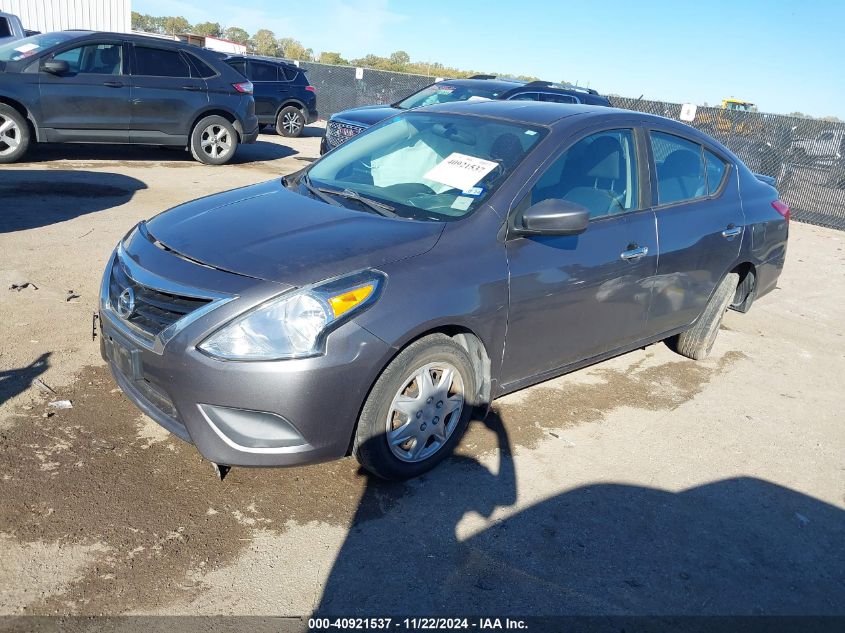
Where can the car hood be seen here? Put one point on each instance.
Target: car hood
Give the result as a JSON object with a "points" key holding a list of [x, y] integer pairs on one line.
{"points": [[269, 232], [367, 115]]}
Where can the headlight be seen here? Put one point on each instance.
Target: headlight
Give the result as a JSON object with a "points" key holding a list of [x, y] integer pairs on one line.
{"points": [[295, 324]]}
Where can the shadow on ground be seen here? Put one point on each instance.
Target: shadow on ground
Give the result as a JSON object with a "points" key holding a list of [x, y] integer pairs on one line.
{"points": [[138, 155], [740, 546], [18, 380], [35, 198]]}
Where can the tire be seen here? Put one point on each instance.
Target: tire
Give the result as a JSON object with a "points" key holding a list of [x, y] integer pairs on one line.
{"points": [[425, 425], [290, 122], [214, 141], [14, 134], [697, 341]]}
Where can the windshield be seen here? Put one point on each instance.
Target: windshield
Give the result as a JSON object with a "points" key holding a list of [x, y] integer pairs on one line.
{"points": [[29, 46], [444, 93], [426, 166]]}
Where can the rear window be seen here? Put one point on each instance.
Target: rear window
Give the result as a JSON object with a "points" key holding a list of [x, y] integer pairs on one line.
{"points": [[239, 66], [680, 168], [288, 73], [200, 68], [159, 62], [263, 72]]}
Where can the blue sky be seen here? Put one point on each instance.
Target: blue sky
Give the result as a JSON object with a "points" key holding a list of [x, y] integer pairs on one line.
{"points": [[783, 55]]}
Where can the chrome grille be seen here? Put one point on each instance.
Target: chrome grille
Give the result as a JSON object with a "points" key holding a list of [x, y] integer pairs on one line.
{"points": [[153, 310], [338, 133]]}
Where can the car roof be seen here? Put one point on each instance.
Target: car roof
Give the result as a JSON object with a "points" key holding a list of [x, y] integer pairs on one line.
{"points": [[261, 58], [529, 112], [500, 84]]}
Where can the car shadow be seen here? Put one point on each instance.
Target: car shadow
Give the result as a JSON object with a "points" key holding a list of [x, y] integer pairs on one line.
{"points": [[16, 381], [35, 198], [740, 546], [47, 152]]}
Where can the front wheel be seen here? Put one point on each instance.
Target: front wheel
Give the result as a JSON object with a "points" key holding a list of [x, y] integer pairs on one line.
{"points": [[697, 341], [14, 134], [213, 140], [290, 122], [418, 409]]}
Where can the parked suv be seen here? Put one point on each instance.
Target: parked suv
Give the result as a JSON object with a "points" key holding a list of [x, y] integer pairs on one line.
{"points": [[88, 87], [344, 125], [283, 96]]}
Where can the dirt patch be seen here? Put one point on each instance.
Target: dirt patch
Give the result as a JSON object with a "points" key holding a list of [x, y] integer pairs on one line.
{"points": [[97, 476]]}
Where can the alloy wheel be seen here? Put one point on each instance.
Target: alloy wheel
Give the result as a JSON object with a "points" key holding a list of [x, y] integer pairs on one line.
{"points": [[425, 412], [292, 122], [216, 141], [10, 136]]}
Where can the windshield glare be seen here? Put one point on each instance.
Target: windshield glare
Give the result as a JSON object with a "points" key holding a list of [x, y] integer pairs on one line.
{"points": [[444, 93], [30, 46], [428, 166]]}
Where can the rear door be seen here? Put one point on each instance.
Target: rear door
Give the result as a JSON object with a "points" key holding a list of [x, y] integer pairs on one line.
{"points": [[269, 89], [576, 297], [700, 226], [167, 93], [91, 101]]}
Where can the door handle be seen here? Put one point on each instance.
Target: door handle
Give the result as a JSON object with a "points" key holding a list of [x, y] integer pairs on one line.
{"points": [[634, 254], [192, 88], [731, 231], [113, 84]]}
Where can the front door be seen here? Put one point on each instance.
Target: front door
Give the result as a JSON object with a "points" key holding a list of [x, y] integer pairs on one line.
{"points": [[576, 297], [90, 102], [700, 225], [269, 91]]}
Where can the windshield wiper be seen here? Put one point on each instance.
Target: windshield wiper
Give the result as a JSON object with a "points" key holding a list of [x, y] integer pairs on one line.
{"points": [[317, 192], [374, 205]]}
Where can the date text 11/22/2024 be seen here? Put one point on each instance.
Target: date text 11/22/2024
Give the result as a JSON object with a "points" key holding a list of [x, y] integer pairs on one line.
{"points": [[415, 624]]}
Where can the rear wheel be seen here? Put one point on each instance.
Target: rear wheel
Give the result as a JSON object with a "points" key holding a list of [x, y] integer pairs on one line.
{"points": [[697, 341], [290, 122], [14, 134], [418, 409], [214, 140]]}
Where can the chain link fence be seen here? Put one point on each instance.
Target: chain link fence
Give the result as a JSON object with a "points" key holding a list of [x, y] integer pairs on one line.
{"points": [[806, 157]]}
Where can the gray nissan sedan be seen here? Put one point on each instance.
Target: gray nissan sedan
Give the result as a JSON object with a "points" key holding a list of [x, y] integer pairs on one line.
{"points": [[374, 302]]}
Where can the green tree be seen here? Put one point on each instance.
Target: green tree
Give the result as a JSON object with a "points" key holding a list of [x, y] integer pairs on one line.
{"points": [[327, 57], [209, 29], [264, 43], [399, 60], [293, 49], [236, 34], [175, 24]]}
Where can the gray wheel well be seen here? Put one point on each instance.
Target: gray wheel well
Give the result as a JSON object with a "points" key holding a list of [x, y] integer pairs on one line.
{"points": [[474, 346], [221, 113], [744, 296], [21, 109]]}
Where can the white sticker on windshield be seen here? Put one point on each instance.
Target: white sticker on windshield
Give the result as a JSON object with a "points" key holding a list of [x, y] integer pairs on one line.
{"points": [[462, 203], [460, 171], [26, 48]]}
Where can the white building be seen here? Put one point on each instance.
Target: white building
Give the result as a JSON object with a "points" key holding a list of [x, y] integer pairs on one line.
{"points": [[60, 15]]}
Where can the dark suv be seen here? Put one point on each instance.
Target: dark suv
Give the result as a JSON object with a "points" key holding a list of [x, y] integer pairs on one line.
{"points": [[88, 87], [283, 96], [344, 125]]}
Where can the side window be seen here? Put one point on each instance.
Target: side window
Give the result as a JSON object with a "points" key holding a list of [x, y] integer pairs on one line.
{"points": [[716, 169], [263, 72], [557, 98], [288, 74], [680, 168], [5, 29], [239, 66], [525, 96], [200, 68], [598, 172], [99, 59], [160, 62]]}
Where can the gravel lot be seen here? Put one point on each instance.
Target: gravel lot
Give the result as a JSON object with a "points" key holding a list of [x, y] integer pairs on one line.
{"points": [[646, 484]]}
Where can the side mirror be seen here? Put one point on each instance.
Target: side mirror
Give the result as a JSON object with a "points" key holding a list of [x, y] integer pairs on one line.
{"points": [[552, 217], [55, 67]]}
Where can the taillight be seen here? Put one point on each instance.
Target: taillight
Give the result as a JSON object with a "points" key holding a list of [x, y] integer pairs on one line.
{"points": [[244, 87], [782, 208], [310, 88]]}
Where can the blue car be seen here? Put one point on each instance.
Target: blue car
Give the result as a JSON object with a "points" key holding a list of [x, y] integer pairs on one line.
{"points": [[283, 96]]}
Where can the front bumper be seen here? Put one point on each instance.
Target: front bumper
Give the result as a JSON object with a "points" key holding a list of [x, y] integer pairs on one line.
{"points": [[278, 413]]}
